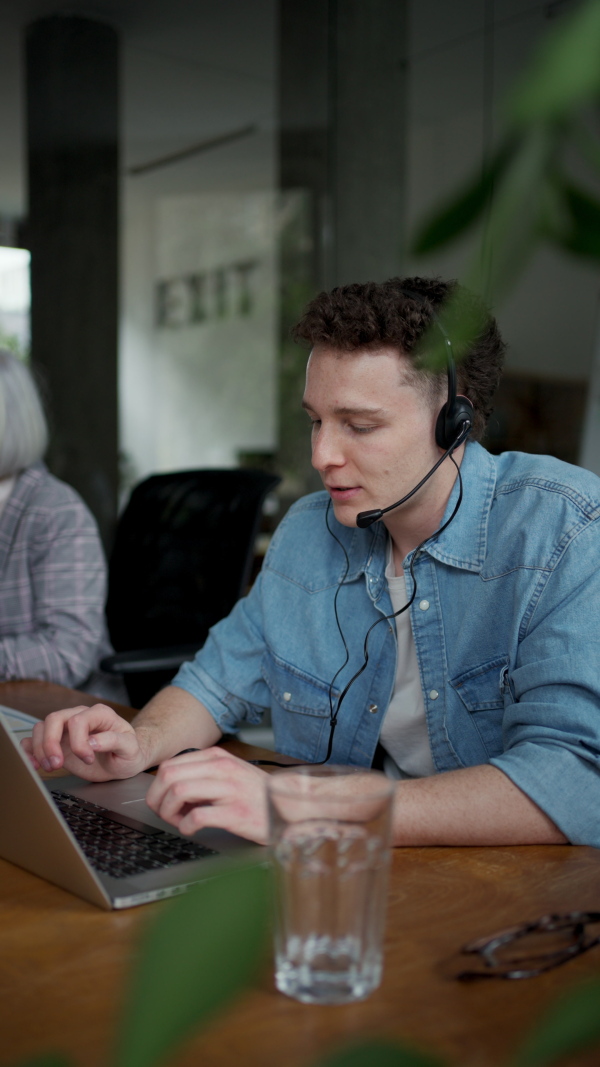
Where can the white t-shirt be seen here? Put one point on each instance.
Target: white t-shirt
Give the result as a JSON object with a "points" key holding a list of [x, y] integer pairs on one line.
{"points": [[404, 733]]}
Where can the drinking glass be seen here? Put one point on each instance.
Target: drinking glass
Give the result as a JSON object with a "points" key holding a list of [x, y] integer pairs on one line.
{"points": [[330, 831]]}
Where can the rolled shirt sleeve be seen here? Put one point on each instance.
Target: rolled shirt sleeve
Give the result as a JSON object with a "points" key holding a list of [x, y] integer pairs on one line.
{"points": [[551, 728], [226, 675]]}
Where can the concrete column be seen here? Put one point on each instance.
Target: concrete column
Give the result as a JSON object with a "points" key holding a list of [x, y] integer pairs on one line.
{"points": [[367, 129], [72, 140]]}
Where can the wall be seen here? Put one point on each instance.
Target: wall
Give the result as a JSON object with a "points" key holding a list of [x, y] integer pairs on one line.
{"points": [[461, 60], [199, 271], [197, 378]]}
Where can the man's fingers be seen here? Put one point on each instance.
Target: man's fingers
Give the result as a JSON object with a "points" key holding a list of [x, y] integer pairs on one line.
{"points": [[88, 731], [221, 817], [45, 740], [199, 790], [121, 743], [170, 801], [77, 730], [48, 734], [191, 806], [196, 767], [27, 746]]}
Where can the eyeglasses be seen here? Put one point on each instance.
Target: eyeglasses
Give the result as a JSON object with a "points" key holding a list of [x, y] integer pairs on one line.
{"points": [[529, 949]]}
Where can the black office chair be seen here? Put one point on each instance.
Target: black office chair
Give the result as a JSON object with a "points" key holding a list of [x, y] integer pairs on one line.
{"points": [[182, 557]]}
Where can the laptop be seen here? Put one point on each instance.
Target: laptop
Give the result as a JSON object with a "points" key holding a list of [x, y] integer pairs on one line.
{"points": [[19, 722], [100, 840]]}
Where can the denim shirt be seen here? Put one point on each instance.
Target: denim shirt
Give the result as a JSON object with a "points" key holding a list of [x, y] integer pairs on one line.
{"points": [[506, 623]]}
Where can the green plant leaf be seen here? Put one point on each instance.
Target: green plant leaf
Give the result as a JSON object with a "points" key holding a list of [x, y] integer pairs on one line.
{"points": [[519, 206], [565, 72], [203, 948], [46, 1059], [461, 318], [521, 196], [529, 200], [586, 141], [572, 1025], [464, 209], [378, 1054], [582, 232]]}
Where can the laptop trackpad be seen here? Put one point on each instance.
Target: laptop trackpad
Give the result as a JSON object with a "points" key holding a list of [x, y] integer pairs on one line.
{"points": [[127, 796]]}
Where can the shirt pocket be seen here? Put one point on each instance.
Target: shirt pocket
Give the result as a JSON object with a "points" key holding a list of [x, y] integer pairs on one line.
{"points": [[299, 707], [482, 690]]}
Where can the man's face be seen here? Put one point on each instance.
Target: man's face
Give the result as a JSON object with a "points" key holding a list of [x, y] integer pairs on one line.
{"points": [[373, 433]]}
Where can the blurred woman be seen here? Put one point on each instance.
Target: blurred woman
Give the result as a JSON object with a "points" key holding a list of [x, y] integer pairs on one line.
{"points": [[52, 567]]}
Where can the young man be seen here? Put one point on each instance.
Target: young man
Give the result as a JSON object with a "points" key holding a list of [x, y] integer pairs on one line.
{"points": [[483, 694]]}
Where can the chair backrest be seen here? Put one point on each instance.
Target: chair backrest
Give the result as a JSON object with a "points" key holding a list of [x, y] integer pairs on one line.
{"points": [[182, 555]]}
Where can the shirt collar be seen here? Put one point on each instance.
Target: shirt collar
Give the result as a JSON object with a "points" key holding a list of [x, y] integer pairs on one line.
{"points": [[464, 543]]}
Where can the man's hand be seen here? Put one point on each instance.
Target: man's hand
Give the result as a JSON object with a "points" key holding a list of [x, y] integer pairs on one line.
{"points": [[211, 788], [94, 743]]}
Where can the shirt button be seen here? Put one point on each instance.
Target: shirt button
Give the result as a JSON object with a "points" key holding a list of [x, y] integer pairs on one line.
{"points": [[423, 604], [287, 696], [373, 708], [434, 694]]}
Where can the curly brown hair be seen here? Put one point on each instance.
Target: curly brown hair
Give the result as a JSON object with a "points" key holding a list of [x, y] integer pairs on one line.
{"points": [[399, 312]]}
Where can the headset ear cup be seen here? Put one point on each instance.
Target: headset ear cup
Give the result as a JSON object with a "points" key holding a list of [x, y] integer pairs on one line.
{"points": [[451, 419], [440, 428]]}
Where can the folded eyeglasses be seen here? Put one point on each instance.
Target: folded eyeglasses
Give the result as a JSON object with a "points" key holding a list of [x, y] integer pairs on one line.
{"points": [[529, 949]]}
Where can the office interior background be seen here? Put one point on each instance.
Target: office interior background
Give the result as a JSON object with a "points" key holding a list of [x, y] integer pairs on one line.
{"points": [[186, 175]]}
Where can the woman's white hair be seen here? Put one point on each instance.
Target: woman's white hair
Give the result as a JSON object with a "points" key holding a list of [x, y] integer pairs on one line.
{"points": [[23, 427]]}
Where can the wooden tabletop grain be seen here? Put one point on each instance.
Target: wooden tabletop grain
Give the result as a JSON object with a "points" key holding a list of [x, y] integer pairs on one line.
{"points": [[64, 963]]}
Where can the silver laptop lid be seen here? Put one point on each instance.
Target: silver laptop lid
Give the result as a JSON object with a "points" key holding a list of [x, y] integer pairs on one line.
{"points": [[32, 834]]}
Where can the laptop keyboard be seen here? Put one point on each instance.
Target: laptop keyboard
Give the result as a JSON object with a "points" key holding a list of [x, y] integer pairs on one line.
{"points": [[120, 846]]}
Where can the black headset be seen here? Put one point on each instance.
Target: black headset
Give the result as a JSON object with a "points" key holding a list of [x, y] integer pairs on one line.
{"points": [[455, 419]]}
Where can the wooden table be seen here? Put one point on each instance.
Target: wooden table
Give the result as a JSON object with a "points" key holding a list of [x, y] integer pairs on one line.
{"points": [[63, 962]]}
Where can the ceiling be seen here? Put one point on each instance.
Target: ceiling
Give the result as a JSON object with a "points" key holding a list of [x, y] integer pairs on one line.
{"points": [[192, 71]]}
